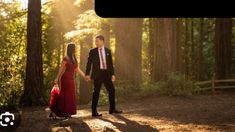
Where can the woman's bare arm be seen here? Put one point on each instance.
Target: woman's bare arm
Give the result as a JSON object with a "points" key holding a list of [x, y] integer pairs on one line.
{"points": [[61, 72], [80, 72]]}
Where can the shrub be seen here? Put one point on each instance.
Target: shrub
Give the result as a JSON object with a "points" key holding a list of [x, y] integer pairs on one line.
{"points": [[177, 85]]}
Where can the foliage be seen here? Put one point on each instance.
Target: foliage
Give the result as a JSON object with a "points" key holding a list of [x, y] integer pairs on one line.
{"points": [[122, 91], [177, 85], [12, 55], [86, 24], [208, 50], [145, 50], [173, 84]]}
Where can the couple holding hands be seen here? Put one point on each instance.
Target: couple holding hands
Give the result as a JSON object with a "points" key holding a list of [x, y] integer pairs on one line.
{"points": [[100, 64]]}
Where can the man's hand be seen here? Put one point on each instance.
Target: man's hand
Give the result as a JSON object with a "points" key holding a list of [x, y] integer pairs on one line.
{"points": [[88, 78], [113, 78]]}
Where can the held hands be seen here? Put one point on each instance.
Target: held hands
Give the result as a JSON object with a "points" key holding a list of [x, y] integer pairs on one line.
{"points": [[113, 78], [87, 78]]}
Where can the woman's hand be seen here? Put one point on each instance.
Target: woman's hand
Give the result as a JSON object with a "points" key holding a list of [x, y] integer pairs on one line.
{"points": [[113, 78], [56, 81]]}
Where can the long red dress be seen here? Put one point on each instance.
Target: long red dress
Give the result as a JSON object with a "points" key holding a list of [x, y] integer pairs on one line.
{"points": [[66, 100]]}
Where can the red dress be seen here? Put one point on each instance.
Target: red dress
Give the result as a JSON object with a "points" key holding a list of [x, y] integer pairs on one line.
{"points": [[66, 100]]}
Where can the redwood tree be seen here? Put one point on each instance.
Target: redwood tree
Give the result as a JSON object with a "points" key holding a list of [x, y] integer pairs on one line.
{"points": [[34, 90], [128, 34], [223, 47], [165, 55]]}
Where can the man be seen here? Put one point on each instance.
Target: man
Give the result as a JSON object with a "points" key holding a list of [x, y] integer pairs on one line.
{"points": [[100, 59]]}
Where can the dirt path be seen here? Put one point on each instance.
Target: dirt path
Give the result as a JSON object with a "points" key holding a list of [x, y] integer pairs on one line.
{"points": [[158, 113]]}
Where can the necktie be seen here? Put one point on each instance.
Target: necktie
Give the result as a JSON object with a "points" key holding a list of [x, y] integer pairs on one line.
{"points": [[102, 59]]}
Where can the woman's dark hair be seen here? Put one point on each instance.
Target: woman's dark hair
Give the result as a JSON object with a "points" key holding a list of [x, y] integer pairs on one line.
{"points": [[71, 53]]}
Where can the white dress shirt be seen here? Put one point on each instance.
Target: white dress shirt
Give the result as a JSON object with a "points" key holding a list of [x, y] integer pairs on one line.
{"points": [[102, 51]]}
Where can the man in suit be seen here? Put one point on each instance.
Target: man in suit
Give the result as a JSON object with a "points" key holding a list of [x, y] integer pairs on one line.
{"points": [[100, 59]]}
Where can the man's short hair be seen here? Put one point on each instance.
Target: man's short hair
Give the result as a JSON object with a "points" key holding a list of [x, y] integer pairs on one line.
{"points": [[100, 37]]}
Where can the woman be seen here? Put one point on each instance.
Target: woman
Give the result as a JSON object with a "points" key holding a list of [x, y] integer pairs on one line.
{"points": [[66, 101]]}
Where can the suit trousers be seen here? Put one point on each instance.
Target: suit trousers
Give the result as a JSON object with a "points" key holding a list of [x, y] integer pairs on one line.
{"points": [[105, 79]]}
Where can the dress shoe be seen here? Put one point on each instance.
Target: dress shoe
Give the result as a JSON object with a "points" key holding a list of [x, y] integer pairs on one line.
{"points": [[115, 112], [96, 114]]}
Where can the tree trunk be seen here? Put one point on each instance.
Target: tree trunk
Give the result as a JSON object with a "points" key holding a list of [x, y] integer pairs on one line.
{"points": [[179, 51], [200, 51], [223, 47], [192, 69], [85, 88], [166, 45], [34, 90], [152, 42], [128, 50], [186, 52], [106, 33]]}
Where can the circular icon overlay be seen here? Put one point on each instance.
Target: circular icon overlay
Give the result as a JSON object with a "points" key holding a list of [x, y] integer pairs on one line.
{"points": [[9, 118]]}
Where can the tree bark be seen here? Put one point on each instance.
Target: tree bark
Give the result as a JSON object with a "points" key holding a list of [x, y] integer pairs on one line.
{"points": [[186, 45], [85, 88], [223, 47], [34, 90], [128, 50], [192, 69], [166, 46], [179, 51]]}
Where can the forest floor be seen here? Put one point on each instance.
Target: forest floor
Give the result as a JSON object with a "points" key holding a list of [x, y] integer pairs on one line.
{"points": [[153, 113]]}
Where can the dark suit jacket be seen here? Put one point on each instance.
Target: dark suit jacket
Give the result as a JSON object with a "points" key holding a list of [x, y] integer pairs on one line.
{"points": [[94, 62]]}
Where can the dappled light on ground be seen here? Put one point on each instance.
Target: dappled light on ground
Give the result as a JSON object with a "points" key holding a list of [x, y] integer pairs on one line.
{"points": [[198, 113]]}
